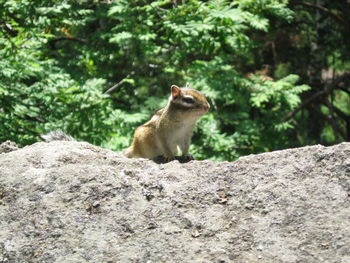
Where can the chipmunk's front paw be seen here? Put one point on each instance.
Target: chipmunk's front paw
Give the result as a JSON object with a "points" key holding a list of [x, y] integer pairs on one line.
{"points": [[162, 159], [187, 157], [169, 159]]}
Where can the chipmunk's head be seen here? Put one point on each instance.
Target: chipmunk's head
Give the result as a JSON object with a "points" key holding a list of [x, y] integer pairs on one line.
{"points": [[188, 101]]}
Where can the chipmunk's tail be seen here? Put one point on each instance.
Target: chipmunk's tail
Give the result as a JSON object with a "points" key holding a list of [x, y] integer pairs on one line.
{"points": [[57, 135]]}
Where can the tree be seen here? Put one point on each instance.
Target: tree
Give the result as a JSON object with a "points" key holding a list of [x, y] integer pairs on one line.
{"points": [[97, 69]]}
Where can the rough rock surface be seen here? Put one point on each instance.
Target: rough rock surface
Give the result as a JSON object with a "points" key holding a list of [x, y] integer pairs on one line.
{"points": [[75, 202], [8, 146]]}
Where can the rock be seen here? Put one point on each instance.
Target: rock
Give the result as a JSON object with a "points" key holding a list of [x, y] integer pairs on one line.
{"points": [[75, 202], [8, 146]]}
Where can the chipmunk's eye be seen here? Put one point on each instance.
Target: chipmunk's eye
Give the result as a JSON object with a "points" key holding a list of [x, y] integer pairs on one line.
{"points": [[188, 100]]}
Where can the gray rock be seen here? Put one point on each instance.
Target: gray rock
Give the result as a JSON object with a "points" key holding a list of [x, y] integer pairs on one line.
{"points": [[75, 202], [8, 146]]}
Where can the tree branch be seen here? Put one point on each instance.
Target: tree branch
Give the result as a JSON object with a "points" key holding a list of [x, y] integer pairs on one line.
{"points": [[332, 120], [52, 42], [8, 29], [327, 90], [110, 90], [345, 90], [339, 19], [304, 104]]}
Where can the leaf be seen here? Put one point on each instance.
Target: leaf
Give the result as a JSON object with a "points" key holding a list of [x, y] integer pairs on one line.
{"points": [[120, 37], [115, 10]]}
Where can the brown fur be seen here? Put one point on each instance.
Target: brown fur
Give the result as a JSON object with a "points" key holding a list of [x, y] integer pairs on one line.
{"points": [[170, 128]]}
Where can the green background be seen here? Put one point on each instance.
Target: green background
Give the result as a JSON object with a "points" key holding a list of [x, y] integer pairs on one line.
{"points": [[276, 73]]}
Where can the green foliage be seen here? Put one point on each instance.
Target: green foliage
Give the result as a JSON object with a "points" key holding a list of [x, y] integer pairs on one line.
{"points": [[58, 59]]}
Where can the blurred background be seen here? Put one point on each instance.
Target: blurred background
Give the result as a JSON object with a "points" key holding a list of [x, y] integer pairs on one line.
{"points": [[276, 72]]}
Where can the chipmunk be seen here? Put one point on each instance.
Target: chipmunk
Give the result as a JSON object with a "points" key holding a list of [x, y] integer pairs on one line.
{"points": [[170, 129]]}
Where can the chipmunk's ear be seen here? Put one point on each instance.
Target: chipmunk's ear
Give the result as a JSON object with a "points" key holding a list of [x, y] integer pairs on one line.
{"points": [[175, 91]]}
